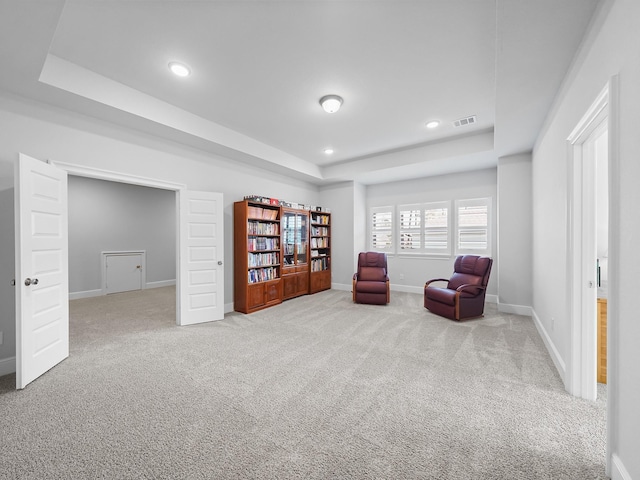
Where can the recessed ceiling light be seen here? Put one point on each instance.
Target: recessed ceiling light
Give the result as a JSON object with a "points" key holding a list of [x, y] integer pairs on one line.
{"points": [[331, 103], [180, 69], [328, 151], [432, 124]]}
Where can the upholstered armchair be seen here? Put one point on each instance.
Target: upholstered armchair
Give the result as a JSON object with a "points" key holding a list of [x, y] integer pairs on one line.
{"points": [[371, 281], [463, 297]]}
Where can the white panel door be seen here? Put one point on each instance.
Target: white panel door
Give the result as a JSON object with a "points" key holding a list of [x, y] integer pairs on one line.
{"points": [[123, 273], [201, 297], [42, 286]]}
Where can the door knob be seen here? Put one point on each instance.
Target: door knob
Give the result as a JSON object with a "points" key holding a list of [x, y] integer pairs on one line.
{"points": [[138, 266], [219, 262], [28, 282]]}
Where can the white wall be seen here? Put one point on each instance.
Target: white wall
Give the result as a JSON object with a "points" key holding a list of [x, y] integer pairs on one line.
{"points": [[340, 199], [514, 234], [112, 216], [48, 133], [7, 292], [417, 270], [612, 48]]}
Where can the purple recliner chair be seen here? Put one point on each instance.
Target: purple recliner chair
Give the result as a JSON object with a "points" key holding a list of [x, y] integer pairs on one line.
{"points": [[464, 294], [371, 281]]}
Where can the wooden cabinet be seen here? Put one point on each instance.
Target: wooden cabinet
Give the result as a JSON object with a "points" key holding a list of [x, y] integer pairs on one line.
{"points": [[279, 253], [602, 341], [257, 268], [320, 250], [295, 252]]}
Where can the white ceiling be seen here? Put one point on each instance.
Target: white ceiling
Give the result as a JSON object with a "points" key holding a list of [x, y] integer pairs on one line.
{"points": [[260, 67]]}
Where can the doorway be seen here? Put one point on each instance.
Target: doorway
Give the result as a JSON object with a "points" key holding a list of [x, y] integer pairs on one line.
{"points": [[589, 231], [199, 275]]}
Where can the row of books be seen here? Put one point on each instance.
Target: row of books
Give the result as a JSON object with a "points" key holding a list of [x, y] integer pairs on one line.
{"points": [[275, 201], [260, 259], [259, 228], [263, 274], [319, 231], [320, 264], [318, 253], [320, 242], [263, 243], [322, 219], [263, 213]]}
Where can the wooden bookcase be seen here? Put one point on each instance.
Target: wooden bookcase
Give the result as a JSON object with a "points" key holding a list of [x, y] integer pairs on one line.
{"points": [[320, 250], [257, 256], [295, 252]]}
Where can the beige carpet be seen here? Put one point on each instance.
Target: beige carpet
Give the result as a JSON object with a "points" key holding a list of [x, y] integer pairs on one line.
{"points": [[315, 388]]}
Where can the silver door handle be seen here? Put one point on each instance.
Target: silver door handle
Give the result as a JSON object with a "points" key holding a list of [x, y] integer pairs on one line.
{"points": [[219, 262], [28, 282]]}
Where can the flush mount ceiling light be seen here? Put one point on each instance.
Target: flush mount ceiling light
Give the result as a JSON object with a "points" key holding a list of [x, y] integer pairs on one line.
{"points": [[328, 151], [180, 69], [331, 103], [432, 124]]}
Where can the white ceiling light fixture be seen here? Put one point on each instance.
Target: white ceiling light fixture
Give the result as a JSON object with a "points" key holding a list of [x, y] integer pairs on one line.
{"points": [[331, 103], [179, 69], [432, 124], [328, 151]]}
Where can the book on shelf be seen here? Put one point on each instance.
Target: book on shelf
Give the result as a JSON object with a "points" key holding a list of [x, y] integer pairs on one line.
{"points": [[259, 228], [263, 213], [263, 259], [255, 244], [262, 274]]}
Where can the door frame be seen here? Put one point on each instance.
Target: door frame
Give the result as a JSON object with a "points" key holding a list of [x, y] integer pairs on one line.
{"points": [[178, 188], [605, 106], [582, 248]]}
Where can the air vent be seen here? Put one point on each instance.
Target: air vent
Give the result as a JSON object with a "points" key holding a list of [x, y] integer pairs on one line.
{"points": [[465, 121]]}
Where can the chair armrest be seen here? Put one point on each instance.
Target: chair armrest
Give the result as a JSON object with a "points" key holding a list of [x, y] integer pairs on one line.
{"points": [[468, 288], [355, 276], [436, 280]]}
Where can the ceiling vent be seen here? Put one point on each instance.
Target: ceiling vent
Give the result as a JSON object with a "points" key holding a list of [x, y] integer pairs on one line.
{"points": [[465, 121]]}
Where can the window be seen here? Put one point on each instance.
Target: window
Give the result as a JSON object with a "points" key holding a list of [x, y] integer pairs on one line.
{"points": [[410, 228], [433, 229], [436, 228], [424, 228], [472, 226], [382, 229]]}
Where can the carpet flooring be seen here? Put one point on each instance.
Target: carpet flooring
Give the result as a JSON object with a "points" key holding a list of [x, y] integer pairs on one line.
{"points": [[315, 388]]}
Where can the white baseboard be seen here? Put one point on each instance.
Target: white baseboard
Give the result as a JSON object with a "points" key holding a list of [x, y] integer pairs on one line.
{"points": [[514, 309], [551, 348], [406, 288], [618, 472], [99, 292], [228, 307], [85, 294], [161, 283], [7, 366], [342, 286]]}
